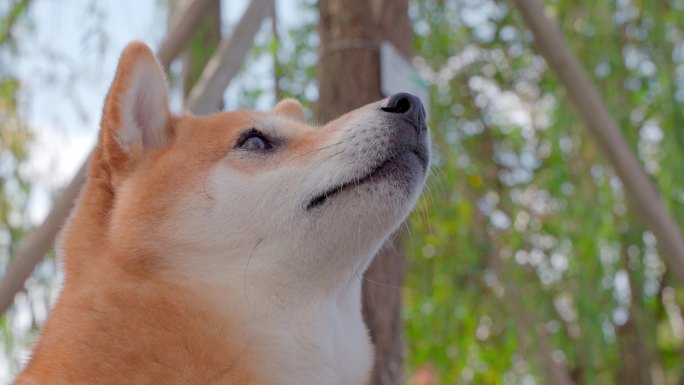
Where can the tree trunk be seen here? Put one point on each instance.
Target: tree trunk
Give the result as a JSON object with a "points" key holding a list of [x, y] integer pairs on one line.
{"points": [[349, 77], [636, 359]]}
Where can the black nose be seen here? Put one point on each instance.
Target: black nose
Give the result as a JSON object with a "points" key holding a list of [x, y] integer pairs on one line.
{"points": [[408, 107]]}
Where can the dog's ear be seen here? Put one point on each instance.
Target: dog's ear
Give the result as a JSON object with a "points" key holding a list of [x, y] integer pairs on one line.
{"points": [[290, 108], [136, 117]]}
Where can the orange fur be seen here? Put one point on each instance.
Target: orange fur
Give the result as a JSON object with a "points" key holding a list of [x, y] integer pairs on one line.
{"points": [[139, 304], [115, 322]]}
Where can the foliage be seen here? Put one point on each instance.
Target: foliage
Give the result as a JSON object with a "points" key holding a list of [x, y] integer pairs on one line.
{"points": [[523, 200]]}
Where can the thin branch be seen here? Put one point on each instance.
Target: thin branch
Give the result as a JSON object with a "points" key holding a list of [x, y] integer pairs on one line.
{"points": [[35, 245], [11, 19], [182, 26], [225, 64]]}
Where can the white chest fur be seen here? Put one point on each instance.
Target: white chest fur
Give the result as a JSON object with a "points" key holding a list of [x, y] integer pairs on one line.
{"points": [[318, 343]]}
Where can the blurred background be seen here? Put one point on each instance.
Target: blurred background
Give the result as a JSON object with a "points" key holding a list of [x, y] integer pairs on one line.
{"points": [[525, 262]]}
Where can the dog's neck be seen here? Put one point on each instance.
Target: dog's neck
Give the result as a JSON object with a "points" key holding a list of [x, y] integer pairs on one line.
{"points": [[298, 336], [324, 342], [215, 330], [242, 329]]}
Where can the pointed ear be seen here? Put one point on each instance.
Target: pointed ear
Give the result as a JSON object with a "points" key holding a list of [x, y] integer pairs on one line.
{"points": [[136, 115], [290, 108]]}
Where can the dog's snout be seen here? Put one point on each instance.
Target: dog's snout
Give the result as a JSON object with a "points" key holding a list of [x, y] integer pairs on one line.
{"points": [[408, 107]]}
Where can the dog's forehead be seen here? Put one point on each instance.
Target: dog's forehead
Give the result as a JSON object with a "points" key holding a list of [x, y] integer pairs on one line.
{"points": [[232, 124], [211, 138]]}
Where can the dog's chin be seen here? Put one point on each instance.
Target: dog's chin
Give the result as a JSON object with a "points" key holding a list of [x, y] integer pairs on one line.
{"points": [[351, 223], [401, 175]]}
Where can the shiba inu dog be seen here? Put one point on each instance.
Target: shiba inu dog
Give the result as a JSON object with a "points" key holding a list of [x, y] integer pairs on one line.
{"points": [[226, 249]]}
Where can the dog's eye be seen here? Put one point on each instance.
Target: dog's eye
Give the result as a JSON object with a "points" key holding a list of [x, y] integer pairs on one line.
{"points": [[254, 140]]}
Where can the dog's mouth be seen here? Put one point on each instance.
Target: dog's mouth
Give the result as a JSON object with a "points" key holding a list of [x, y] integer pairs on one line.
{"points": [[376, 173]]}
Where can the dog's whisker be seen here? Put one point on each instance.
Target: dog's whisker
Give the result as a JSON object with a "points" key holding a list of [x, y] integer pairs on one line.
{"points": [[244, 276], [319, 164], [317, 149]]}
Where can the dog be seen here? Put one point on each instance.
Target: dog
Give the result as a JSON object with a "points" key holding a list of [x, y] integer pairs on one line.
{"points": [[229, 248]]}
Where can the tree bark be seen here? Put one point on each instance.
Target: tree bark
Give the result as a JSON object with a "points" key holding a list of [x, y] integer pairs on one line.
{"points": [[349, 77], [637, 362]]}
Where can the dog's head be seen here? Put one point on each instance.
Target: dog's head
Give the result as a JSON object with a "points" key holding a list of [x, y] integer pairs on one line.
{"points": [[256, 194]]}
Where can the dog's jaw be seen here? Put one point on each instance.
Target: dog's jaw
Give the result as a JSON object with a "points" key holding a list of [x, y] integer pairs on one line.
{"points": [[323, 342], [296, 269], [300, 336]]}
